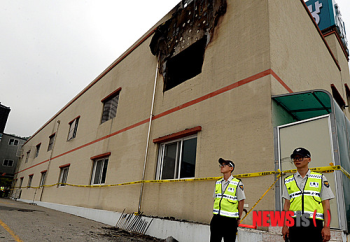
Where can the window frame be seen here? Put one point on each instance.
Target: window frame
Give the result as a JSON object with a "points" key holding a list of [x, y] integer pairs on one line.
{"points": [[105, 100], [73, 128], [51, 141], [185, 65], [178, 159], [37, 147], [27, 156], [14, 142], [3, 163], [30, 180], [21, 181], [62, 180], [103, 170], [43, 178], [337, 97]]}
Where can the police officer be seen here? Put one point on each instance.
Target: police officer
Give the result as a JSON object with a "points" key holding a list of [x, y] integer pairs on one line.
{"points": [[228, 204], [2, 191], [307, 194]]}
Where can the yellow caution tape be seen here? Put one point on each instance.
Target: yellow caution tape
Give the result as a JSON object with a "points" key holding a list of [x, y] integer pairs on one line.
{"points": [[324, 169], [345, 172], [278, 177], [256, 174]]}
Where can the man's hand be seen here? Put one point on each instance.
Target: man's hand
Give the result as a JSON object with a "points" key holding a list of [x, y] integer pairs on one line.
{"points": [[326, 234], [285, 232]]}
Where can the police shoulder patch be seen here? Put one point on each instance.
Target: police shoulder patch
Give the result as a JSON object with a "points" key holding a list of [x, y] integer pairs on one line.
{"points": [[241, 186], [326, 183]]}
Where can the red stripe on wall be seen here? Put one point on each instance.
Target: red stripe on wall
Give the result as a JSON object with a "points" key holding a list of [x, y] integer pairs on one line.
{"points": [[280, 81], [185, 105], [215, 93]]}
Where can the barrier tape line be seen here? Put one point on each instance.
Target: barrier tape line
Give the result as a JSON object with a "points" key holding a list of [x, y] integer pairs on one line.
{"points": [[324, 169], [278, 177], [345, 172]]}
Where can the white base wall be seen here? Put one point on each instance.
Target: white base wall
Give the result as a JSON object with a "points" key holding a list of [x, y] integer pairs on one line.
{"points": [[181, 231]]}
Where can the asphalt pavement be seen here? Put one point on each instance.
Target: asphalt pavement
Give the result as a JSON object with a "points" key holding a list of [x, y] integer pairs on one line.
{"points": [[22, 222]]}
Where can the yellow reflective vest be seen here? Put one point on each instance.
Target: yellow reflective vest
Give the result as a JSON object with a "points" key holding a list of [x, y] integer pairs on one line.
{"points": [[226, 203], [310, 199]]}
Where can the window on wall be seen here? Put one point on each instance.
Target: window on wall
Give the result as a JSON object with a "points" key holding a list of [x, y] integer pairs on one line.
{"points": [[7, 163], [27, 157], [337, 97], [51, 141], [13, 142], [30, 181], [110, 105], [37, 150], [99, 171], [73, 127], [185, 65], [63, 175], [177, 158], [42, 179], [21, 182], [347, 91]]}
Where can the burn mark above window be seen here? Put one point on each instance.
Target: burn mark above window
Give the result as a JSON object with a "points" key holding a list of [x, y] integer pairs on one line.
{"points": [[180, 42]]}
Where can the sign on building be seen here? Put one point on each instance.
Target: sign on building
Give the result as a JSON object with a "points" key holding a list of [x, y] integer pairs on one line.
{"points": [[327, 14]]}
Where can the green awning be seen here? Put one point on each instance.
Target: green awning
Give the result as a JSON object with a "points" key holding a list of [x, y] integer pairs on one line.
{"points": [[305, 105]]}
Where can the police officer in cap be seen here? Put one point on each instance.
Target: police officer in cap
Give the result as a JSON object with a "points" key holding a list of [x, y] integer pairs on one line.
{"points": [[228, 204], [307, 194]]}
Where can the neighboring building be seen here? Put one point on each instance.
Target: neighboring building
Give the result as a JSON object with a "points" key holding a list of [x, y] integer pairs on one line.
{"points": [[10, 150], [243, 80], [4, 113]]}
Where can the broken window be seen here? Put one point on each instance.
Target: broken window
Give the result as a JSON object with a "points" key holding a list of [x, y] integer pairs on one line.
{"points": [[110, 105], [180, 42], [185, 65]]}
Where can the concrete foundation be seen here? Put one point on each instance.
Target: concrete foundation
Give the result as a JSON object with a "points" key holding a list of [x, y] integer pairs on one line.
{"points": [[181, 231]]}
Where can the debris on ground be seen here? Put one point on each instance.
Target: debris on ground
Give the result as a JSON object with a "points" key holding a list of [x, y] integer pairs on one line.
{"points": [[117, 234]]}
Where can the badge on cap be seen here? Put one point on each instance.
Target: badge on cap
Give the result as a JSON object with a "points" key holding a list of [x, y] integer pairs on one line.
{"points": [[326, 183]]}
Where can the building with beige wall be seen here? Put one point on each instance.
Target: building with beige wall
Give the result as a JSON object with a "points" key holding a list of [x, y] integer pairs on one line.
{"points": [[200, 85]]}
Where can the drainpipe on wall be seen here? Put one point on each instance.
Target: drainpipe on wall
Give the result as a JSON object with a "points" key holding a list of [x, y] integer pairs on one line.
{"points": [[48, 166], [148, 137]]}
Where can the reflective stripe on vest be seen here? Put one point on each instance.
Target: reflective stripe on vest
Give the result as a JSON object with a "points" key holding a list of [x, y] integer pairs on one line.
{"points": [[226, 204], [309, 200]]}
